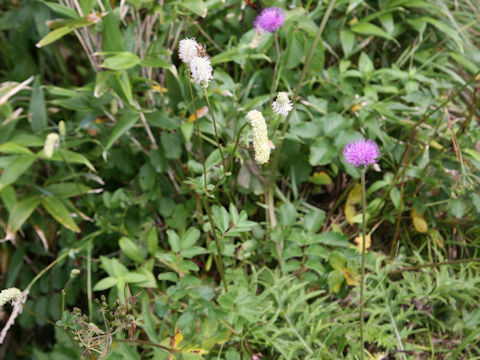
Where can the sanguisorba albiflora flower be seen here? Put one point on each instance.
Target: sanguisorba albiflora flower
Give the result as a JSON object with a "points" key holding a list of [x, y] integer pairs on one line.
{"points": [[17, 299], [201, 70], [51, 143], [188, 50], [261, 144], [270, 19], [361, 153], [282, 105]]}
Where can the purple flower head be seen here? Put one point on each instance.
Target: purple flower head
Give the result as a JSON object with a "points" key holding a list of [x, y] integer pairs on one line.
{"points": [[361, 153], [270, 19]]}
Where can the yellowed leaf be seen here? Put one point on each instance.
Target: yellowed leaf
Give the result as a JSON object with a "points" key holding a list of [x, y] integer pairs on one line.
{"points": [[320, 178], [350, 278], [350, 213], [198, 351], [159, 88], [368, 241], [177, 339], [355, 195], [436, 237], [200, 113], [419, 222]]}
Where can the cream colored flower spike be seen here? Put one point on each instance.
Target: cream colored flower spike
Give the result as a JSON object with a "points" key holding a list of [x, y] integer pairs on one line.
{"points": [[261, 145]]}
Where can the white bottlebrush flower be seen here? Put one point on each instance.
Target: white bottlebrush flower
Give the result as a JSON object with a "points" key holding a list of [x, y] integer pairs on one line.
{"points": [[261, 144], [8, 295], [188, 50], [282, 105], [52, 142], [17, 299], [201, 70], [257, 39]]}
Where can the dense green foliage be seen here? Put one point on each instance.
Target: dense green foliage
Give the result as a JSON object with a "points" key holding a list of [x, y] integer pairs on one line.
{"points": [[250, 261]]}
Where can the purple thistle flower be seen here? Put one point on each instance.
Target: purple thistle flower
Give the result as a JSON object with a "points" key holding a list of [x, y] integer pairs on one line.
{"points": [[270, 19], [361, 153]]}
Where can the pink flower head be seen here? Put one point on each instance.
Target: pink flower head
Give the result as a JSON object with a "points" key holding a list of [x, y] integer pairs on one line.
{"points": [[361, 153], [270, 19]]}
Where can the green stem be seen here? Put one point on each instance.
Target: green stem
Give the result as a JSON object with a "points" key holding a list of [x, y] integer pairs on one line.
{"points": [[49, 266], [215, 129], [218, 258], [232, 156], [362, 276], [275, 73], [202, 153], [276, 154], [89, 279]]}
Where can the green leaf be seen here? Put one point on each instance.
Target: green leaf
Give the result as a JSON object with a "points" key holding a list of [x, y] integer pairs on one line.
{"points": [[174, 241], [38, 109], [121, 127], [152, 240], [59, 212], [365, 64], [372, 30], [55, 35], [155, 62], [16, 167], [196, 6], [21, 212], [337, 260], [68, 156], [62, 10], [322, 152], [112, 37], [105, 283], [458, 207], [66, 190], [131, 249], [347, 39], [314, 220], [121, 61], [335, 280], [190, 238], [14, 148]]}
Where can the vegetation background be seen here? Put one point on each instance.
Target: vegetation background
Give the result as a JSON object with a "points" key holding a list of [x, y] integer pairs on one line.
{"points": [[263, 262]]}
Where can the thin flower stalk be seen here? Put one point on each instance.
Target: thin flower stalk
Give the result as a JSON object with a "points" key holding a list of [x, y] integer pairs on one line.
{"points": [[215, 129]]}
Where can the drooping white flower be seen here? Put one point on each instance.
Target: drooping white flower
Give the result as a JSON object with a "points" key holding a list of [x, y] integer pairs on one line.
{"points": [[17, 299], [52, 142], [257, 39], [282, 105], [261, 144], [10, 294], [201, 70], [187, 50]]}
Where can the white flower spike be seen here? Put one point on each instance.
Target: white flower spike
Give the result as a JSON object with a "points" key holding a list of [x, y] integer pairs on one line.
{"points": [[201, 70], [261, 144], [188, 50], [282, 105]]}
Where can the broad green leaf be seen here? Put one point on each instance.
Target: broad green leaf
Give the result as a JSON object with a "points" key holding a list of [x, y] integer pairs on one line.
{"points": [[155, 62], [55, 35], [67, 190], [62, 10], [105, 283], [121, 127], [112, 37], [347, 39], [372, 30], [335, 280], [21, 211], [322, 152], [131, 250], [14, 148], [59, 212], [152, 240], [67, 156], [121, 61], [190, 238], [198, 7], [337, 260], [16, 167], [38, 109], [174, 241]]}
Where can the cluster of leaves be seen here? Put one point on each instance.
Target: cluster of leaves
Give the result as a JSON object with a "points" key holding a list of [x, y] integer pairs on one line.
{"points": [[148, 212]]}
